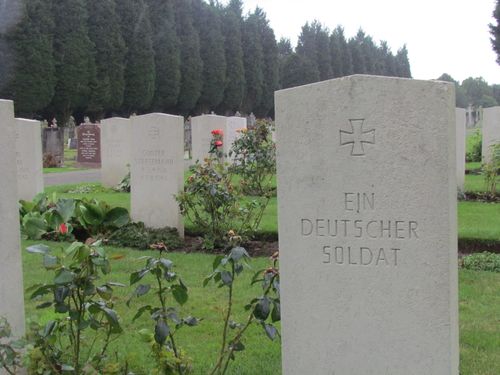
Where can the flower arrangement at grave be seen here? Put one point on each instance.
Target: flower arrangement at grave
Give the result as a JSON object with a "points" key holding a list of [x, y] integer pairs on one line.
{"points": [[216, 143]]}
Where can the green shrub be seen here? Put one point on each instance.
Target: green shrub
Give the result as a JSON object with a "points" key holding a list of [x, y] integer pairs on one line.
{"points": [[482, 262], [254, 154], [475, 142], [64, 219], [491, 170], [136, 235]]}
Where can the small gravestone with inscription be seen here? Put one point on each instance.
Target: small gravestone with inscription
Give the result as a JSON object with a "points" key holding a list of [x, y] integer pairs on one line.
{"points": [[53, 146], [28, 158], [157, 170], [491, 131], [367, 227], [11, 286], [116, 149], [89, 146], [461, 132]]}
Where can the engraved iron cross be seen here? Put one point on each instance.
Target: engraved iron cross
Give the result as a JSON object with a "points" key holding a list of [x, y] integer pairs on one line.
{"points": [[357, 137]]}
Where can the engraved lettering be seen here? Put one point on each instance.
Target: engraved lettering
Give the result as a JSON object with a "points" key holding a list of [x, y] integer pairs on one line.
{"points": [[395, 251], [319, 227], [305, 222], [325, 248], [341, 261], [413, 228], [349, 255], [381, 256], [399, 228], [364, 252], [358, 228]]}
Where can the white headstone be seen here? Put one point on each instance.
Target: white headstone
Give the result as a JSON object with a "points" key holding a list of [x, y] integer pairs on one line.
{"points": [[201, 128], [491, 131], [461, 134], [11, 286], [367, 227], [116, 150], [157, 169], [29, 158]]}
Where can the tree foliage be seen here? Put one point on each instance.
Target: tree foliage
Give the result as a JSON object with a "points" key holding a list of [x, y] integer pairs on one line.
{"points": [[495, 31], [118, 57]]}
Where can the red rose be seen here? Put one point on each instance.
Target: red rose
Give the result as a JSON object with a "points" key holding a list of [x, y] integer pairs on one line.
{"points": [[217, 132], [63, 229], [218, 143]]}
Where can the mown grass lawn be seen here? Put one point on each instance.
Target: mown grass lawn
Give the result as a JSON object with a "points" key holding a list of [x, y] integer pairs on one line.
{"points": [[479, 319], [262, 356]]}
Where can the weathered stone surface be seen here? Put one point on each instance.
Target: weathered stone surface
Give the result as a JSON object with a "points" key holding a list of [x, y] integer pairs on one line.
{"points": [[116, 149], [88, 152], [157, 169], [491, 131], [11, 287], [201, 128], [29, 158], [461, 133], [53, 146], [367, 227]]}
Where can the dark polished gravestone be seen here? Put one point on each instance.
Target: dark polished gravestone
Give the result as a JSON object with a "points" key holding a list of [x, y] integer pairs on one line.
{"points": [[53, 147], [89, 146]]}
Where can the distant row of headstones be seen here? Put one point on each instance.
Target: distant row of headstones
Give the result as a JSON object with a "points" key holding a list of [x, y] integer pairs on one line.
{"points": [[110, 145]]}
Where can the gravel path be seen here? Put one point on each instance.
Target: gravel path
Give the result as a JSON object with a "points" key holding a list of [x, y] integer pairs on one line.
{"points": [[76, 177]]}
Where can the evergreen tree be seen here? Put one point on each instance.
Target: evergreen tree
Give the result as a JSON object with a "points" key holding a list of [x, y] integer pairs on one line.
{"points": [[34, 80], [167, 54], [336, 54], [253, 58], [389, 64], [402, 63], [323, 53], [191, 63], [347, 64], [108, 84], [73, 54], [140, 65], [235, 71], [495, 31], [270, 65], [208, 21], [284, 51], [307, 50], [292, 71]]}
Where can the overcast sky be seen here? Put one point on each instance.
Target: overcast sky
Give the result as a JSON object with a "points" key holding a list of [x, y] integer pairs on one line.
{"points": [[449, 36]]}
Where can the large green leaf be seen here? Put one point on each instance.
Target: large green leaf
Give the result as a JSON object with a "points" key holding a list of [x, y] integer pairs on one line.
{"points": [[64, 276], [34, 227], [117, 217], [54, 219], [91, 214], [38, 249], [66, 208], [161, 331]]}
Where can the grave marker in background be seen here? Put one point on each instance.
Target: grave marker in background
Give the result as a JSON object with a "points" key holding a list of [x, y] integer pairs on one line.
{"points": [[11, 287], [28, 158], [491, 131], [201, 128], [367, 227], [53, 147], [89, 146], [157, 170], [116, 149]]}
